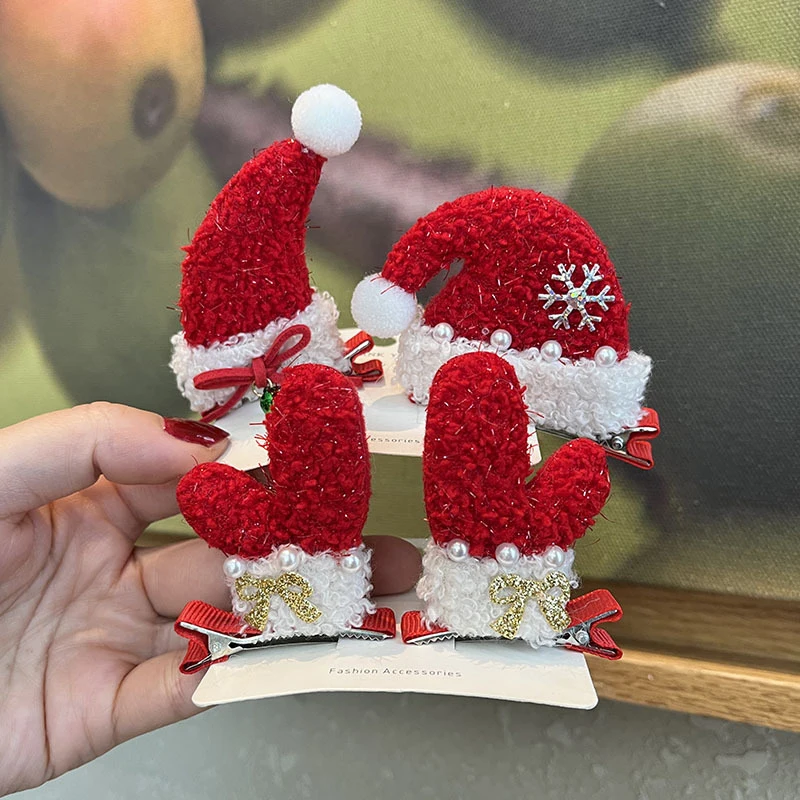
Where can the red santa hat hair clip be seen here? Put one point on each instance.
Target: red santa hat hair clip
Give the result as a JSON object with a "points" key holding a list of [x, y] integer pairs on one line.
{"points": [[245, 285], [537, 287], [297, 567], [500, 563]]}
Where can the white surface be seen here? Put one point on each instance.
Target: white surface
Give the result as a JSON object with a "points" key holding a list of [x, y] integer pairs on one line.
{"points": [[337, 593], [189, 361], [423, 747], [457, 593], [499, 670], [395, 425]]}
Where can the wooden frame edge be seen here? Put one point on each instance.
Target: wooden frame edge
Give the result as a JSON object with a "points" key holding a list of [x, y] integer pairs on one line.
{"points": [[766, 697]]}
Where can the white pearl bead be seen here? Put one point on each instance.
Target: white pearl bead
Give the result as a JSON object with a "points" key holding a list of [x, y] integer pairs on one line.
{"points": [[351, 562], [234, 567], [605, 356], [507, 554], [501, 339], [555, 557], [551, 351], [288, 558], [443, 332], [457, 550]]}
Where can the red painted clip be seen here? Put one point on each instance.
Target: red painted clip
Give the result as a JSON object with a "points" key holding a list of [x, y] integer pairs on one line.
{"points": [[215, 635], [631, 445], [587, 613], [415, 630], [584, 635], [368, 371]]}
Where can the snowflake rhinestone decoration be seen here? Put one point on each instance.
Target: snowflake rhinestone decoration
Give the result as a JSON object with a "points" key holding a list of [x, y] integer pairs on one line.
{"points": [[576, 297]]}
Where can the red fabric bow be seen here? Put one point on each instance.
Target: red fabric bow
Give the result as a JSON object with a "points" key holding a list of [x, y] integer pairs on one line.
{"points": [[260, 373], [262, 370]]}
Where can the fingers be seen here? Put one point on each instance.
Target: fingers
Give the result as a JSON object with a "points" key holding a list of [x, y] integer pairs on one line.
{"points": [[54, 455], [152, 695], [132, 508], [178, 573], [190, 570], [149, 503], [396, 564], [155, 693]]}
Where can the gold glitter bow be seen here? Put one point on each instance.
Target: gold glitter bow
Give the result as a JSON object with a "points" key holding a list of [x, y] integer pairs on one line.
{"points": [[259, 591], [553, 607]]}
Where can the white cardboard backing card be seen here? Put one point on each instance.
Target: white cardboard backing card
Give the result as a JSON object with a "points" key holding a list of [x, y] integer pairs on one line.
{"points": [[395, 425], [498, 669]]}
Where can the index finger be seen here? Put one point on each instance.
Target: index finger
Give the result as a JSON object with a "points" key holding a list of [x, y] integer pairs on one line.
{"points": [[57, 454]]}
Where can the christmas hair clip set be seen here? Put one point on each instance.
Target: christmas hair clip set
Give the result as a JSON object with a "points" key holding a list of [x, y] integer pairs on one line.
{"points": [[537, 287], [248, 309], [532, 333]]}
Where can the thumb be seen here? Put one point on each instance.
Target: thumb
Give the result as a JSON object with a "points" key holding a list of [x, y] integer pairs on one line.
{"points": [[57, 454], [152, 695]]}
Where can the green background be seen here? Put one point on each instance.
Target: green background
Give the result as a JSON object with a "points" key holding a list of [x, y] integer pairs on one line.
{"points": [[673, 130]]}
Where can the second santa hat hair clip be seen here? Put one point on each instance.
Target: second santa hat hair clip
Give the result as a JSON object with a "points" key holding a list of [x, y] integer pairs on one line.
{"points": [[537, 287]]}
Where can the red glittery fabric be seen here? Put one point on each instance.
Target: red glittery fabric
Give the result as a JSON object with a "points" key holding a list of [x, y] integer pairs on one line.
{"points": [[567, 493], [475, 458], [246, 264], [476, 466], [320, 472], [511, 241]]}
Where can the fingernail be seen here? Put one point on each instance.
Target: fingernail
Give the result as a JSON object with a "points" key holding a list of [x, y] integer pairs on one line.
{"points": [[189, 430]]}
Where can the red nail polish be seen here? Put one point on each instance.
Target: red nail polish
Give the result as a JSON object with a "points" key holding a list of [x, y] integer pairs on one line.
{"points": [[188, 430]]}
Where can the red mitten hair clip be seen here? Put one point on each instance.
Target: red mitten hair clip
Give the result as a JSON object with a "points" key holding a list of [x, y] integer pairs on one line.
{"points": [[538, 287], [501, 561], [245, 278], [296, 563]]}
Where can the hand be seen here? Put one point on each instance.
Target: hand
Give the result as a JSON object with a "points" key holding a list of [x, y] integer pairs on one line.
{"points": [[88, 655]]}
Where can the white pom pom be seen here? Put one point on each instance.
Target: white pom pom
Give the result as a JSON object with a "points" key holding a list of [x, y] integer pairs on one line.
{"points": [[326, 120], [381, 307]]}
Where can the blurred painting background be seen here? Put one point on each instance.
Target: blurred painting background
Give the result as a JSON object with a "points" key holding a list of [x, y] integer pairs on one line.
{"points": [[673, 126]]}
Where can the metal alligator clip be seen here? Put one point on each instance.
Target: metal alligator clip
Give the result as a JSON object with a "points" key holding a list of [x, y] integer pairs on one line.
{"points": [[215, 635], [367, 371], [584, 635], [631, 445], [221, 646]]}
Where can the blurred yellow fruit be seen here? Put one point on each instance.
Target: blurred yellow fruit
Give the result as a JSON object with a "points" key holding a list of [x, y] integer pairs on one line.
{"points": [[99, 95]]}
